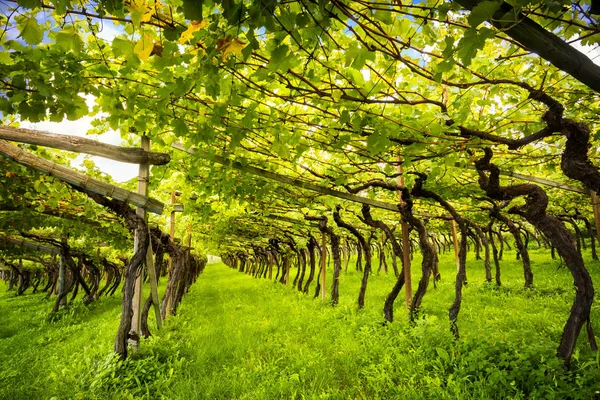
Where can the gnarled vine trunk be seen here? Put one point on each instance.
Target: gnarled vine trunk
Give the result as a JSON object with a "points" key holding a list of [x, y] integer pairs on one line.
{"points": [[534, 211]]}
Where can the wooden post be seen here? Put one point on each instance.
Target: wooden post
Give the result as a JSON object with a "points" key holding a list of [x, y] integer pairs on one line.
{"points": [[189, 241], [62, 267], [172, 235], [61, 279], [405, 245], [287, 271], [153, 285], [20, 283], [323, 264], [596, 208], [136, 319], [271, 261], [455, 240], [172, 229]]}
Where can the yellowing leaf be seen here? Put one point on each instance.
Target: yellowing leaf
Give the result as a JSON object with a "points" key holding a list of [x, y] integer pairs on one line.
{"points": [[195, 26], [140, 11], [229, 45], [143, 48]]}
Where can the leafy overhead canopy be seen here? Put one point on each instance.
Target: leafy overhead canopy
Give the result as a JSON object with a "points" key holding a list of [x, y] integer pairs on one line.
{"points": [[334, 93]]}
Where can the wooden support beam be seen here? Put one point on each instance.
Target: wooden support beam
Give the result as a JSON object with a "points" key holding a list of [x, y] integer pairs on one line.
{"points": [[78, 179], [541, 181], [545, 182], [291, 220], [543, 42], [83, 145], [17, 242], [287, 180]]}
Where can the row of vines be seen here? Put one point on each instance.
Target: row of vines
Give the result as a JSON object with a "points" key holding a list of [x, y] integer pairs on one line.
{"points": [[298, 129]]}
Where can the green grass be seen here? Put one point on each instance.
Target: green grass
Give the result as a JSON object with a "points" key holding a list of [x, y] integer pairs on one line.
{"points": [[245, 338]]}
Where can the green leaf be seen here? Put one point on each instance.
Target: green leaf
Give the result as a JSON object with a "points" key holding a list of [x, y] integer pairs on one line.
{"points": [[6, 59], [357, 56], [77, 110], [471, 43], [31, 31], [122, 47], [192, 9], [237, 135], [376, 143], [233, 11], [344, 117], [277, 57], [40, 187], [442, 353], [33, 111], [483, 11], [443, 11], [302, 20], [171, 33], [180, 127], [449, 48], [445, 66], [69, 40], [61, 6], [355, 76], [279, 145], [31, 4]]}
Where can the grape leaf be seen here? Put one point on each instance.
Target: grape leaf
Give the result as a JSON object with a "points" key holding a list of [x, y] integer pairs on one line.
{"points": [[180, 127], [277, 57], [6, 59], [192, 9], [143, 47], [229, 45], [140, 12], [195, 26], [69, 40], [471, 43], [482, 12], [78, 109], [31, 31], [122, 47]]}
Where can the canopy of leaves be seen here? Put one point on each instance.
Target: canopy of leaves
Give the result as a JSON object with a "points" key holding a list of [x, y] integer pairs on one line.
{"points": [[336, 94]]}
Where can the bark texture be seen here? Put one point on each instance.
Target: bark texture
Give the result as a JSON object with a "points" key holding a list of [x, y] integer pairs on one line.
{"points": [[534, 211], [367, 251]]}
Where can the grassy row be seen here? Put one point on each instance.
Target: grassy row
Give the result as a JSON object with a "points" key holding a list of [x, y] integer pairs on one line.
{"points": [[239, 337]]}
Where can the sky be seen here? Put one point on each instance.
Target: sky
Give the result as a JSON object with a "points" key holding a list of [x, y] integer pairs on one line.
{"points": [[120, 172]]}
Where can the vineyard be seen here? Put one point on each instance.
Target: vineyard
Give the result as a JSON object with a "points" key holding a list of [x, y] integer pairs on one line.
{"points": [[330, 199]]}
